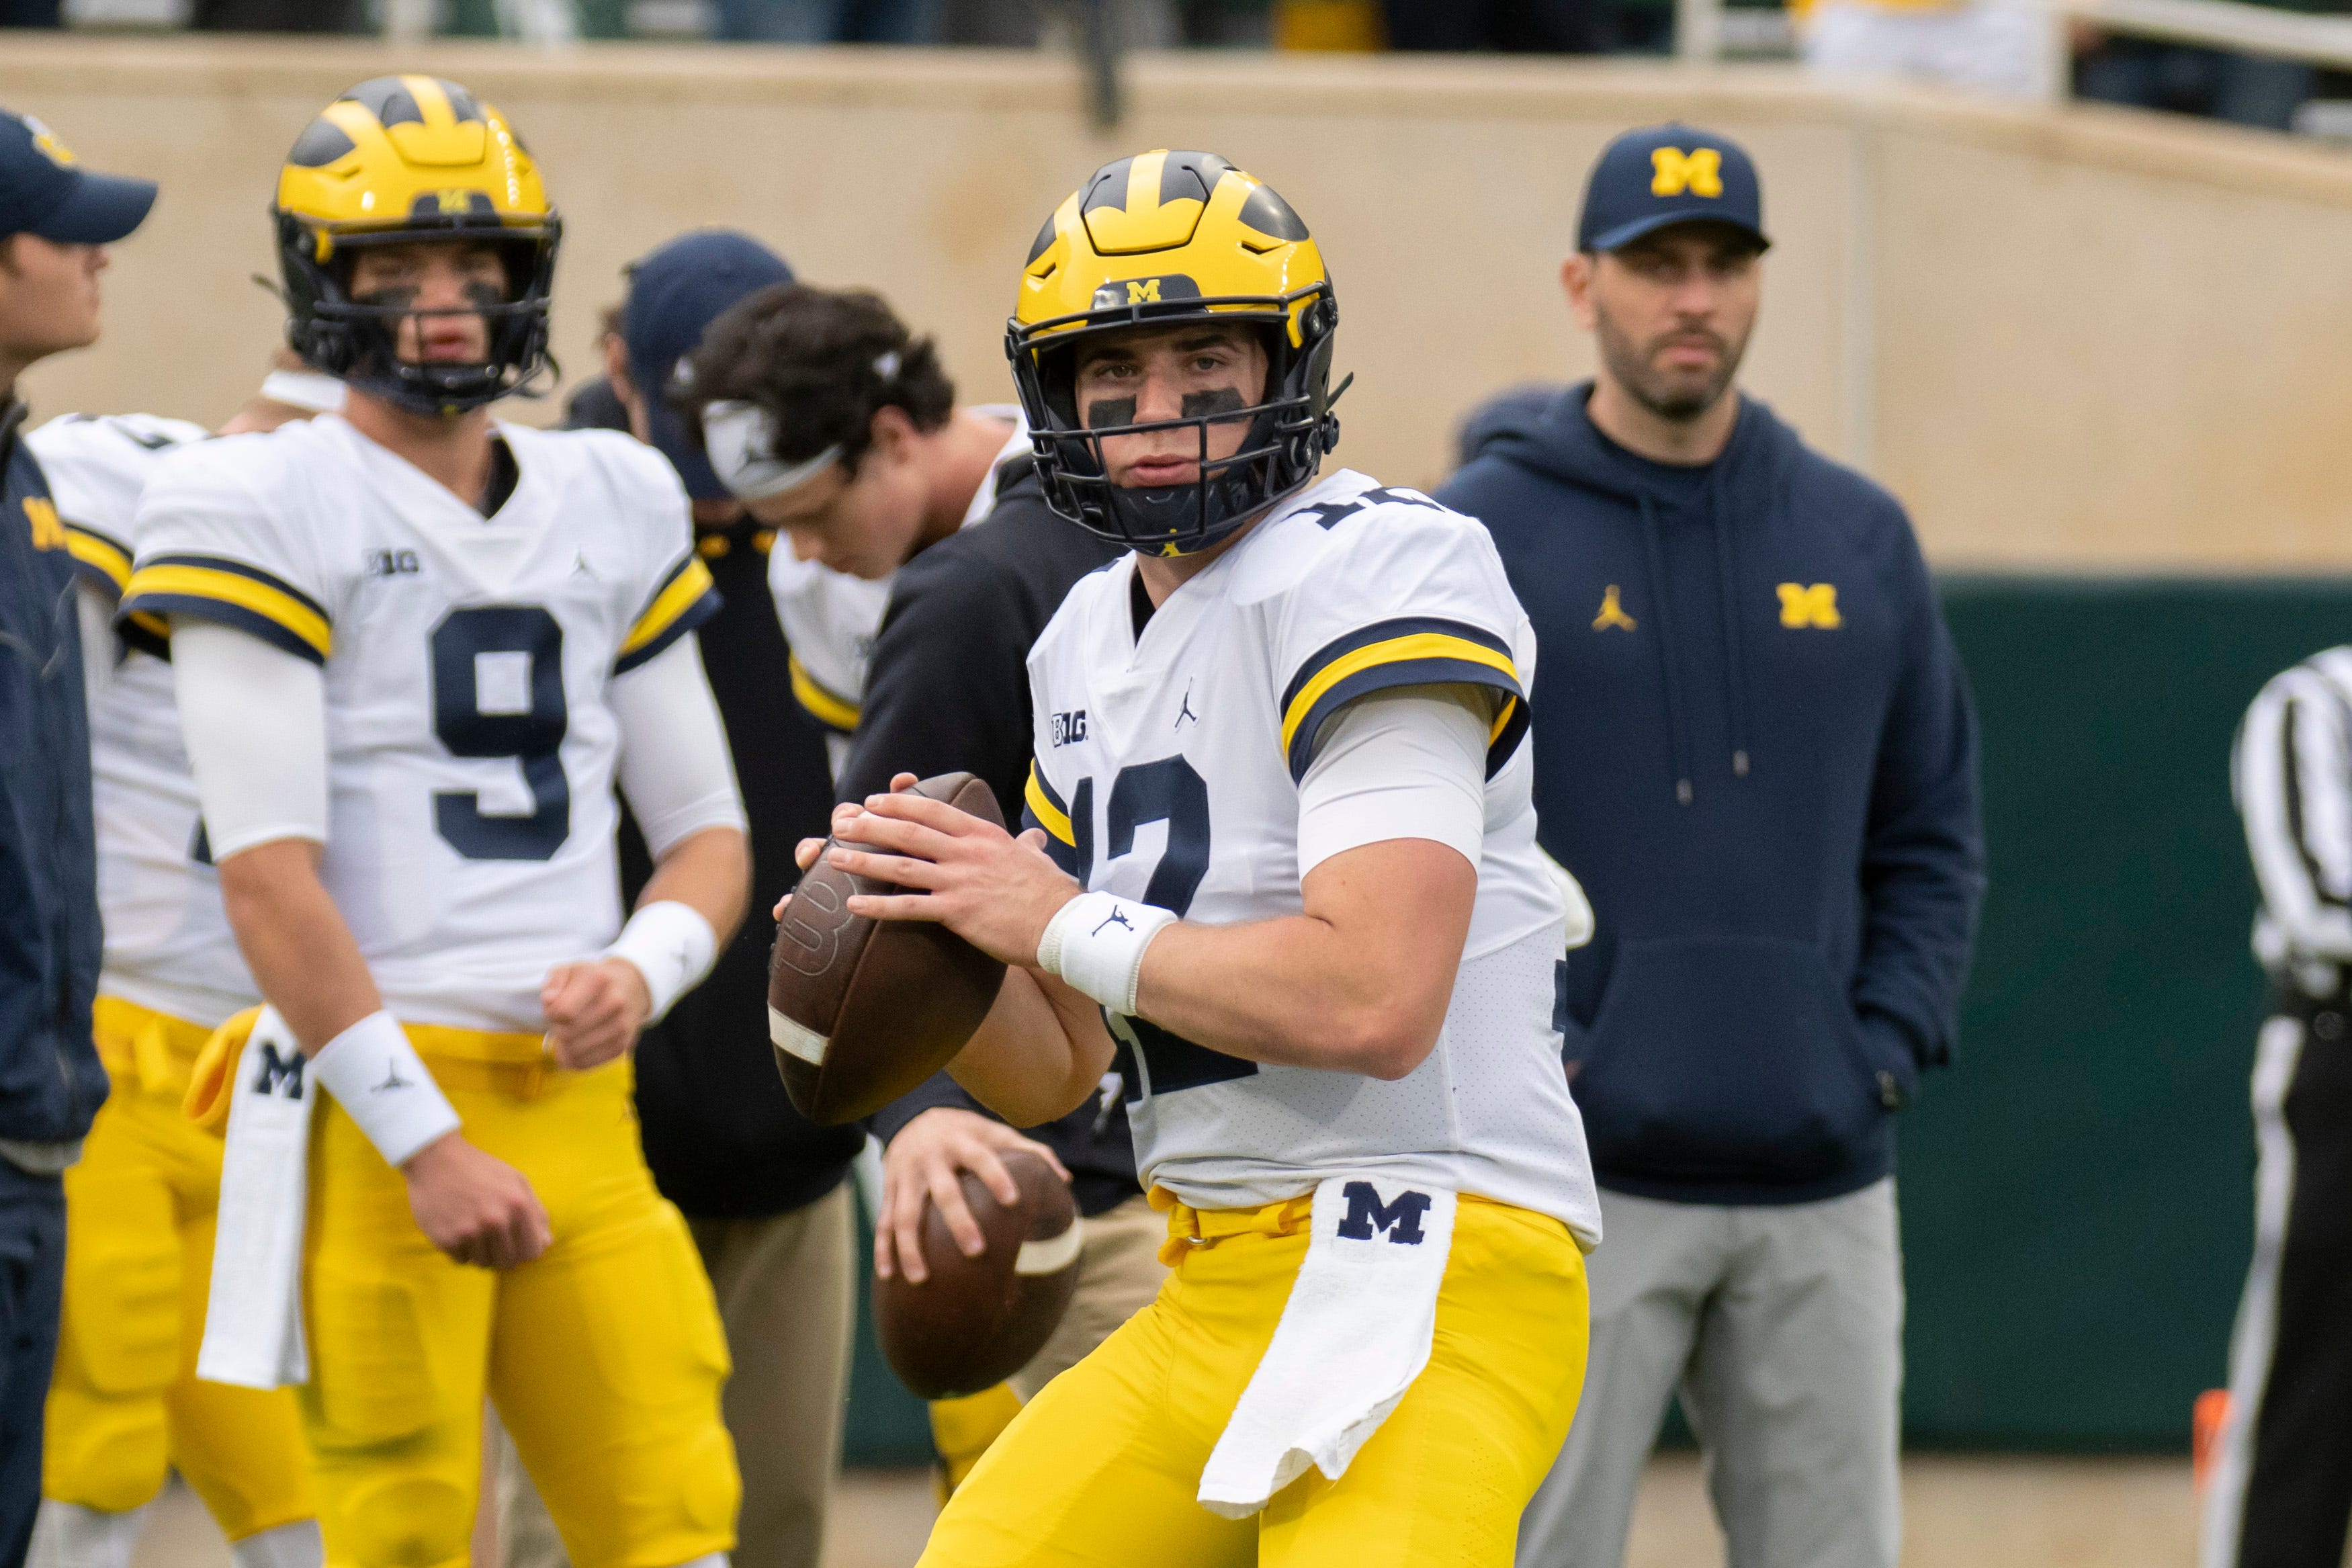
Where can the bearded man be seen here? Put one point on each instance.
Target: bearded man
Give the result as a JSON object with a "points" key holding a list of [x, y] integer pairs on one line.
{"points": [[1755, 752]]}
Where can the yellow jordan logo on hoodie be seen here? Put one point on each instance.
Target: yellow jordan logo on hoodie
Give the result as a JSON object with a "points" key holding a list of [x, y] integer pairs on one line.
{"points": [[1613, 612]]}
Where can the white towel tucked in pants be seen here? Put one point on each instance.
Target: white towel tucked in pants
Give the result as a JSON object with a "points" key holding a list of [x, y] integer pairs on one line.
{"points": [[1354, 1334], [253, 1318]]}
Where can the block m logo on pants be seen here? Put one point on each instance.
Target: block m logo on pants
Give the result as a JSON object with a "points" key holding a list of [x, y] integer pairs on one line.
{"points": [[1400, 1220]]}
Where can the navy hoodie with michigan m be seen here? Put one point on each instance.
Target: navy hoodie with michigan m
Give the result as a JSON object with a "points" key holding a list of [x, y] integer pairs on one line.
{"points": [[1756, 750]]}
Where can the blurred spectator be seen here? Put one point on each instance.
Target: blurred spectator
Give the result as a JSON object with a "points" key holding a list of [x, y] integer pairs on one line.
{"points": [[29, 13], [1495, 27], [828, 21], [1998, 46], [278, 17], [2245, 89]]}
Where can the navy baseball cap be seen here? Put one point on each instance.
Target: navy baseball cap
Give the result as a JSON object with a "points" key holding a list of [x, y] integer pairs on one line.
{"points": [[44, 192], [675, 292], [1663, 175]]}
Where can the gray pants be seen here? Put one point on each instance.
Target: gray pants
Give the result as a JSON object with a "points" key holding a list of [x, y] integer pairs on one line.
{"points": [[1783, 1327]]}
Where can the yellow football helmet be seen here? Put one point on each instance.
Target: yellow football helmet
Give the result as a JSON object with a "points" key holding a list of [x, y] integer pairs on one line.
{"points": [[1153, 241], [398, 159]]}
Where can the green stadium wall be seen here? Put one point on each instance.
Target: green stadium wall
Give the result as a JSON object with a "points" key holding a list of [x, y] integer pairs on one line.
{"points": [[2077, 1190]]}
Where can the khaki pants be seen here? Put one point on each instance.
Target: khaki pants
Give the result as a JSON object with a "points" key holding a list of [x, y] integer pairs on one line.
{"points": [[787, 1294]]}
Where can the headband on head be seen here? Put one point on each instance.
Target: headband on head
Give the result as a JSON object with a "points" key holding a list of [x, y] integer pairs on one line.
{"points": [[741, 439]]}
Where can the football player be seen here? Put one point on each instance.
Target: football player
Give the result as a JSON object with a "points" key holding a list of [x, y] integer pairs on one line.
{"points": [[125, 1405], [415, 648], [945, 688], [883, 464], [1283, 872]]}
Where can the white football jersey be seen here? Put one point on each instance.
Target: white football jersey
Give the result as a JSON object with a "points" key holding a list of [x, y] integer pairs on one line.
{"points": [[168, 942], [1167, 771], [471, 748], [831, 618]]}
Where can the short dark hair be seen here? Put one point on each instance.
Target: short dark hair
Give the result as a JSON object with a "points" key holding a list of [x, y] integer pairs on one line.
{"points": [[820, 361]]}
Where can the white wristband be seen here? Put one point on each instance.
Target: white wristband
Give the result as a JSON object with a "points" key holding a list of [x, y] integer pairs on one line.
{"points": [[1096, 941], [672, 946], [378, 1079]]}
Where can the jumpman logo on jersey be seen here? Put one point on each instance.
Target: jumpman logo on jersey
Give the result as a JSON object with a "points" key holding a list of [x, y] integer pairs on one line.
{"points": [[392, 1080], [1186, 713], [1117, 918], [580, 567], [1613, 612]]}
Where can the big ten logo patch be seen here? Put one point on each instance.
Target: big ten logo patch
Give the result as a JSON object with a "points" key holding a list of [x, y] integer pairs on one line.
{"points": [[48, 532], [1808, 605], [1069, 729], [1399, 1220], [810, 934], [274, 1074], [392, 564], [1674, 170]]}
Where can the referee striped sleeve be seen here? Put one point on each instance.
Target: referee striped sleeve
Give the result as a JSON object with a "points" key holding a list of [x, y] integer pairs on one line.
{"points": [[2293, 777], [1412, 650], [215, 588], [686, 598]]}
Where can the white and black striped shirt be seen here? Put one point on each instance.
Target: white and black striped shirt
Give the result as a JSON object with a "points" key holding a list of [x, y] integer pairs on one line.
{"points": [[2292, 777]]}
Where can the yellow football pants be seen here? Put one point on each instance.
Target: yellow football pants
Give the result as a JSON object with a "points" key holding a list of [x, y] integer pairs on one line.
{"points": [[1104, 1464], [124, 1404], [605, 1355]]}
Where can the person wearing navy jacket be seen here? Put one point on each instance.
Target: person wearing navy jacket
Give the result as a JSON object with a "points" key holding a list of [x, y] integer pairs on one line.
{"points": [[1756, 750], [56, 221]]}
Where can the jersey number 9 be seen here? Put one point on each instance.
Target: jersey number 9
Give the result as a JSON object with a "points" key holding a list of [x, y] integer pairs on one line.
{"points": [[497, 691]]}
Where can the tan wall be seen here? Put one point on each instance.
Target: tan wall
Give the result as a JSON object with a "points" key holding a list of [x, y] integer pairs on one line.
{"points": [[2076, 338]]}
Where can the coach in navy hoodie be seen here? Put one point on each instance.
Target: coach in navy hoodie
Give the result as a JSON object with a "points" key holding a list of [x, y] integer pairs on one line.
{"points": [[1755, 750]]}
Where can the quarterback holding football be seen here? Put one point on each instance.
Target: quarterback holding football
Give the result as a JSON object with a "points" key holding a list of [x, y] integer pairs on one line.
{"points": [[1282, 871]]}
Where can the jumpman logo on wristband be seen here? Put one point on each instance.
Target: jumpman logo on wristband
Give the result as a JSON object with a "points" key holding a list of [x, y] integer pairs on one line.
{"points": [[392, 1080], [1117, 918]]}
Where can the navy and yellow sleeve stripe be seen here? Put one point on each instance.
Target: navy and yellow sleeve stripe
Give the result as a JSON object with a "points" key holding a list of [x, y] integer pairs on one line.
{"points": [[686, 598], [1041, 807], [1408, 651], [232, 593], [101, 560], [825, 705]]}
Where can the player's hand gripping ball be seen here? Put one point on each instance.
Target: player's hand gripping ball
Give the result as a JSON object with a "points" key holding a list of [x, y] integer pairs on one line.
{"points": [[974, 1322], [860, 1011]]}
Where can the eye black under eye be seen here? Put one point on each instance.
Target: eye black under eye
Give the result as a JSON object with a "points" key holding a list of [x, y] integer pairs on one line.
{"points": [[1215, 401], [1105, 412]]}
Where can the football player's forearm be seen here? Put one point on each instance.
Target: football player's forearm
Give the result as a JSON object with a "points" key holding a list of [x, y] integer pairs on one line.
{"points": [[1037, 1054], [710, 873], [294, 939], [1358, 984]]}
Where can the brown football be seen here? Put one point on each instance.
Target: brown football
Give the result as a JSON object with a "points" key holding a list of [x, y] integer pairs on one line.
{"points": [[861, 1011], [978, 1321]]}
